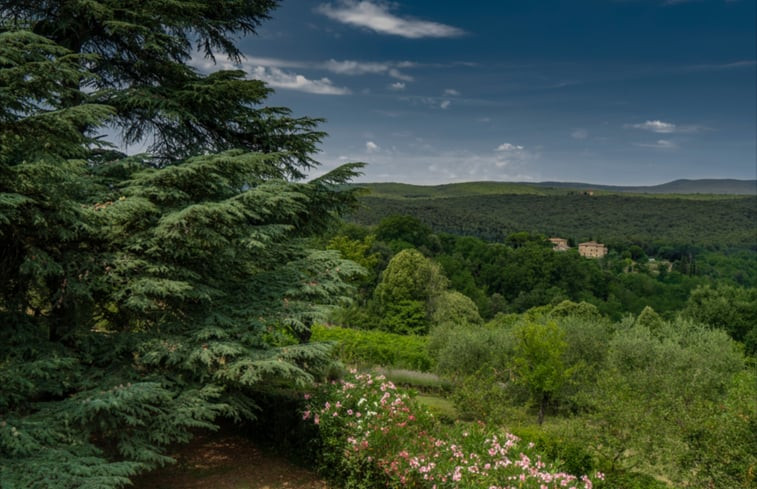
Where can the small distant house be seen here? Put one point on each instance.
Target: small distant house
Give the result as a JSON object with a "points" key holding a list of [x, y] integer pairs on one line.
{"points": [[559, 244], [592, 249]]}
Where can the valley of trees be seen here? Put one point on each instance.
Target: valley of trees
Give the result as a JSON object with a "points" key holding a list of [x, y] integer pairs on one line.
{"points": [[145, 298], [659, 224]]}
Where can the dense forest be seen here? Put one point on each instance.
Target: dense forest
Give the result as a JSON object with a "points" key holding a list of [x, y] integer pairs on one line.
{"points": [[424, 343], [653, 222]]}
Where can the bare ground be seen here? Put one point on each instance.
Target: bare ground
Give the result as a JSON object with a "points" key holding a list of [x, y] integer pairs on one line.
{"points": [[228, 461]]}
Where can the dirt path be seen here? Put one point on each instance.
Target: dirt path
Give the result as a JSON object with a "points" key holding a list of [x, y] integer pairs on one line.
{"points": [[227, 461]]}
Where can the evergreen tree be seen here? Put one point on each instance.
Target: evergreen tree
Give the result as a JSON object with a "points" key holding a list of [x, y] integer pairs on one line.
{"points": [[144, 296]]}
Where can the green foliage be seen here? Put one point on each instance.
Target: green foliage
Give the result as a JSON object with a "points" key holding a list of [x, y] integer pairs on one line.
{"points": [[405, 317], [453, 307], [568, 453], [145, 296], [732, 309], [401, 232], [483, 395], [404, 296], [615, 219], [657, 390], [410, 276], [462, 351], [371, 347], [538, 361], [724, 448]]}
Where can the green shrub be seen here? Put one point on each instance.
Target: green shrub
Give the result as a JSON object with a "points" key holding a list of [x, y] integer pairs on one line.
{"points": [[484, 396], [370, 347], [569, 454]]}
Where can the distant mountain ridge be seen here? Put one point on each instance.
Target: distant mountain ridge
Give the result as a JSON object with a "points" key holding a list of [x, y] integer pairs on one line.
{"points": [[676, 187]]}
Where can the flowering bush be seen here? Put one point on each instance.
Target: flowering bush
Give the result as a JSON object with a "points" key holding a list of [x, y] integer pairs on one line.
{"points": [[375, 435]]}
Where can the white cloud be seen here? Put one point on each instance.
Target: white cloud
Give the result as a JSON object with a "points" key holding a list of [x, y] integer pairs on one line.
{"points": [[349, 67], [661, 127], [509, 147], [371, 147], [275, 62], [397, 86], [656, 126], [376, 16], [579, 134], [451, 92], [269, 70], [444, 104], [659, 144], [293, 81], [395, 73]]}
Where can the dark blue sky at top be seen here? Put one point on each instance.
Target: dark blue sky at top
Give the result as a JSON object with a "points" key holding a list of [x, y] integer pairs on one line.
{"points": [[621, 92]]}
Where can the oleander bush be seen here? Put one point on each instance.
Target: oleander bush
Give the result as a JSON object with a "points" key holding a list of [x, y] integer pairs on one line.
{"points": [[373, 434]]}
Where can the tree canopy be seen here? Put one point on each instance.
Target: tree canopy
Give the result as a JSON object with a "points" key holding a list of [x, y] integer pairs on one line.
{"points": [[143, 296]]}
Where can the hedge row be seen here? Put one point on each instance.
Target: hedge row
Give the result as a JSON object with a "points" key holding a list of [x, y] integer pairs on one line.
{"points": [[369, 347]]}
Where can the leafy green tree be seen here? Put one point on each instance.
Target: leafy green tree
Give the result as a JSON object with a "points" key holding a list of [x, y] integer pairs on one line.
{"points": [[401, 231], [724, 447], [538, 362], [658, 391], [144, 296], [650, 319], [453, 307], [405, 317], [410, 276], [732, 309]]}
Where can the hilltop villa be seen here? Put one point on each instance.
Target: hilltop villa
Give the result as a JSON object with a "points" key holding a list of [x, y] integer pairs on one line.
{"points": [[559, 244], [592, 249]]}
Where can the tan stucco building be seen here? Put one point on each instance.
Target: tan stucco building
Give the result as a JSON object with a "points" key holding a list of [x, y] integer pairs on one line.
{"points": [[559, 244], [592, 249]]}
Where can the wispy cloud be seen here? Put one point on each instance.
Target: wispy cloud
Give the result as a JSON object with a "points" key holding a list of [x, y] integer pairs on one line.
{"points": [[509, 147], [432, 166], [293, 81], [733, 65], [579, 134], [269, 70], [655, 126], [395, 73], [445, 104], [377, 17], [344, 67], [451, 92], [353, 68], [397, 86], [659, 144], [661, 127]]}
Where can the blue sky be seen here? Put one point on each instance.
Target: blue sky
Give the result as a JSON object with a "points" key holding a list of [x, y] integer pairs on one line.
{"points": [[628, 92]]}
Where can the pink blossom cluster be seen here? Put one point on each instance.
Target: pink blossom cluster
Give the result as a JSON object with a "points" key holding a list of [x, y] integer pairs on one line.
{"points": [[379, 424]]}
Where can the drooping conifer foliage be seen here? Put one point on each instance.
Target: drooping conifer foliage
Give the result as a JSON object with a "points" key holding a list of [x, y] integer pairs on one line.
{"points": [[142, 296]]}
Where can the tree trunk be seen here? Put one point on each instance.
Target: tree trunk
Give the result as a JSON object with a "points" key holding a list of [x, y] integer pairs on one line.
{"points": [[542, 405]]}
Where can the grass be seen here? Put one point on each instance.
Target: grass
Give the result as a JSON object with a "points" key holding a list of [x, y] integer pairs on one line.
{"points": [[422, 381], [439, 407]]}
